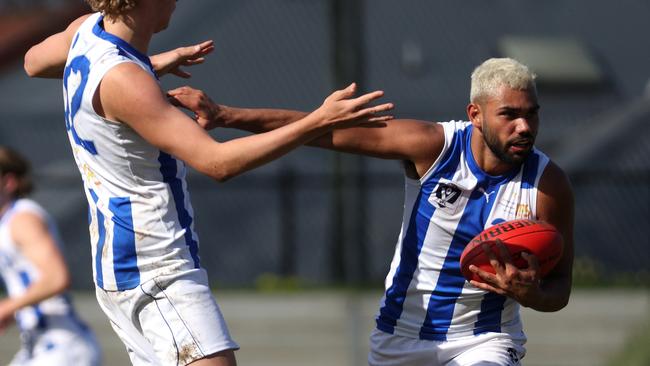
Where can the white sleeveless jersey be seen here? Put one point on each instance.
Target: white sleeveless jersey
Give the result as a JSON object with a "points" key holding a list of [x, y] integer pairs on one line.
{"points": [[141, 220], [18, 273], [426, 295]]}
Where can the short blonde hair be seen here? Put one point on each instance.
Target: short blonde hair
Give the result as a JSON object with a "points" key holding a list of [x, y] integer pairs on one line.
{"points": [[112, 8], [489, 76]]}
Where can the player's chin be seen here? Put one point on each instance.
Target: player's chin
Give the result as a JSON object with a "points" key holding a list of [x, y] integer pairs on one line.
{"points": [[516, 158], [517, 154]]}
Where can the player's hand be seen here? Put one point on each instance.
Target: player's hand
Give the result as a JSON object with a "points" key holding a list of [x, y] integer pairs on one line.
{"points": [[521, 284], [170, 62], [206, 112], [6, 315], [341, 110]]}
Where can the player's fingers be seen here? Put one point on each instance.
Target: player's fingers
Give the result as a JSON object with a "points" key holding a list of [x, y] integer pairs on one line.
{"points": [[484, 275], [369, 97], [344, 93], [503, 251], [206, 46], [374, 110], [175, 102], [489, 279], [374, 120], [203, 52], [487, 287], [198, 50], [492, 258], [194, 61], [182, 90], [180, 73], [181, 98], [533, 262]]}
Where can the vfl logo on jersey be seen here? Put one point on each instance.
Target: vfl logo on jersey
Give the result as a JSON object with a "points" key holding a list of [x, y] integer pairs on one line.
{"points": [[445, 195]]}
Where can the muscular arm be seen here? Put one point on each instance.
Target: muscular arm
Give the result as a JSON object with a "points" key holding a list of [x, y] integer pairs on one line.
{"points": [[555, 205], [47, 58], [36, 243], [416, 142], [148, 112]]}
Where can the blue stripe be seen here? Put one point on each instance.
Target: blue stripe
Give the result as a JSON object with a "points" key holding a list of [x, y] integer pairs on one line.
{"points": [[489, 319], [414, 238], [529, 176], [41, 323], [125, 259], [169, 171], [450, 283], [121, 44], [101, 229]]}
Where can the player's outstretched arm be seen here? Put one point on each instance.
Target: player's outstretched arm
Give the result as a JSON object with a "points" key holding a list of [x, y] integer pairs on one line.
{"points": [[36, 243], [417, 142], [47, 58], [148, 112], [170, 62]]}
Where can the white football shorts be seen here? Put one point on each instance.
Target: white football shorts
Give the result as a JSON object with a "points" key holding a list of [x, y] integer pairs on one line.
{"points": [[493, 349], [168, 320]]}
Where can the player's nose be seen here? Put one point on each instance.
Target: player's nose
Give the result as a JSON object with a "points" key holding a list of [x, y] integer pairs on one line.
{"points": [[523, 126]]}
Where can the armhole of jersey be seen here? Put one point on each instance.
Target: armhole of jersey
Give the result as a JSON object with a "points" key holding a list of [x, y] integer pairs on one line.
{"points": [[449, 128], [27, 205], [543, 163], [92, 86]]}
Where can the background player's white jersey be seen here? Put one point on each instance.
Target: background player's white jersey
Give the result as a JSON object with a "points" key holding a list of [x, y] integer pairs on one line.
{"points": [[19, 273], [141, 220], [426, 295]]}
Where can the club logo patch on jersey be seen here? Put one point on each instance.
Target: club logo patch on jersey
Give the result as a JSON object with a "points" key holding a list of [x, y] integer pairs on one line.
{"points": [[523, 212], [445, 195]]}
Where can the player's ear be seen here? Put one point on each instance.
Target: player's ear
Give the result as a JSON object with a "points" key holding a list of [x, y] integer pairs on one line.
{"points": [[475, 115]]}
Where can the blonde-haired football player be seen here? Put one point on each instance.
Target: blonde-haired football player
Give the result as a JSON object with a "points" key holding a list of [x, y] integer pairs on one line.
{"points": [[131, 146]]}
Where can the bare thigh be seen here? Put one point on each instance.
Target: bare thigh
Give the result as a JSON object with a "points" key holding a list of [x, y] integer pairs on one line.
{"points": [[223, 358]]}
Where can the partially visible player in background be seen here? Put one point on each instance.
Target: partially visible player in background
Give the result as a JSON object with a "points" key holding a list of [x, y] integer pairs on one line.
{"points": [[461, 177], [131, 145], [35, 274]]}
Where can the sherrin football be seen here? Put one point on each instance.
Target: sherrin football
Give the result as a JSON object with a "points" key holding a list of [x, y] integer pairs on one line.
{"points": [[535, 237]]}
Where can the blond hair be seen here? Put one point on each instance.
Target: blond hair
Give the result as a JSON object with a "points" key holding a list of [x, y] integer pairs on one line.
{"points": [[489, 76], [11, 162], [112, 8]]}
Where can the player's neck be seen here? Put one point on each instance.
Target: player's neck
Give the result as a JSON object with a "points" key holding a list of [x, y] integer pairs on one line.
{"points": [[137, 34]]}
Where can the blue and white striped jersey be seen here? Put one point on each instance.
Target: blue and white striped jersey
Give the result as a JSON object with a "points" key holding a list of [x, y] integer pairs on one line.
{"points": [[141, 219], [18, 273], [426, 295]]}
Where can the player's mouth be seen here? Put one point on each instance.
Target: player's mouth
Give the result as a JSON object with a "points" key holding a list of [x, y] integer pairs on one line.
{"points": [[520, 146]]}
